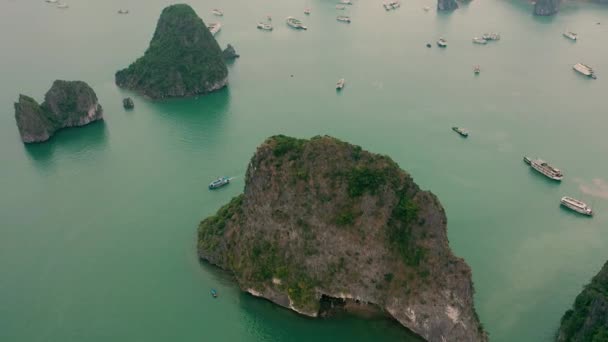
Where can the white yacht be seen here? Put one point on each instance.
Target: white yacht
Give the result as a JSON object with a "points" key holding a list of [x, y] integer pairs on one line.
{"points": [[265, 26], [570, 35], [214, 28], [218, 12], [576, 205], [442, 42], [584, 69], [343, 18], [340, 84], [478, 40], [295, 23]]}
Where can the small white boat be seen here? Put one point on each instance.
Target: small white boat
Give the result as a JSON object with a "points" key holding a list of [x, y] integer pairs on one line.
{"points": [[426, 8], [265, 27], [214, 28], [477, 69], [491, 36], [340, 7], [340, 84], [62, 5], [123, 11], [218, 12], [584, 69], [570, 35], [442, 42], [51, 1], [478, 40], [343, 18], [391, 5], [295, 23], [576, 205], [346, 2], [307, 11]]}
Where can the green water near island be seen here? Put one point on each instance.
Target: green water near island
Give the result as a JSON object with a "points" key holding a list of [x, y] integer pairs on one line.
{"points": [[98, 226]]}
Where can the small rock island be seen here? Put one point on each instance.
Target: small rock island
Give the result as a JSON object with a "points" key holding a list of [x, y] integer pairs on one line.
{"points": [[183, 59], [588, 319], [323, 221], [66, 104], [546, 7], [230, 53]]}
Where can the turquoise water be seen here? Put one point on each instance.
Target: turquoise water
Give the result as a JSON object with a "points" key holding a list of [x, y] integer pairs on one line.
{"points": [[97, 227]]}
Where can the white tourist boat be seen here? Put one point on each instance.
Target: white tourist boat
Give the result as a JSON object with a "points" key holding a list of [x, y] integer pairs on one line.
{"points": [[426, 8], [584, 69], [218, 12], [214, 28], [478, 40], [265, 26], [295, 23], [570, 35], [346, 2], [340, 84], [491, 36], [62, 5], [545, 168], [576, 205], [343, 18], [307, 11], [340, 7], [442, 42]]}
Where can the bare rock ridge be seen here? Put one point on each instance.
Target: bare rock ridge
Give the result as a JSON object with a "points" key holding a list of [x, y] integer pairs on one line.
{"points": [[546, 7], [447, 5], [183, 59], [324, 218], [66, 104], [588, 319]]}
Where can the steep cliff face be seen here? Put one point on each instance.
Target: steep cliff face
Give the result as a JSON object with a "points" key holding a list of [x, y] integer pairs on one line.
{"points": [[588, 320], [447, 5], [183, 59], [546, 7], [321, 217], [66, 104]]}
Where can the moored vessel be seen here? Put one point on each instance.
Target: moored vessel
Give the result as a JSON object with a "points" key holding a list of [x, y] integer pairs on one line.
{"points": [[218, 12], [307, 11], [584, 69], [545, 168], [264, 26], [576, 205], [218, 183], [214, 28], [476, 69], [340, 84], [343, 18], [295, 23], [123, 11], [478, 40], [340, 7], [463, 132], [570, 35], [442, 42], [346, 2], [491, 36]]}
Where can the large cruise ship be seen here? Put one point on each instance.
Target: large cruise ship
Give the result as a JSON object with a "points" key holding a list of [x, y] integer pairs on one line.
{"points": [[545, 168]]}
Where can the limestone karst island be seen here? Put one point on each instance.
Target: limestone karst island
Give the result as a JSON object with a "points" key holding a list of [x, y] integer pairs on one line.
{"points": [[304, 171]]}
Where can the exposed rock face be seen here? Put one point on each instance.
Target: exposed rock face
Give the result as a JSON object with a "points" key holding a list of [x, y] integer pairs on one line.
{"points": [[546, 7], [588, 320], [447, 5], [230, 53], [66, 104], [183, 59], [323, 217]]}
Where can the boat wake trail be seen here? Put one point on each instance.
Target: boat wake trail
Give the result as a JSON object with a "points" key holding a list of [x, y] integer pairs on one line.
{"points": [[597, 188]]}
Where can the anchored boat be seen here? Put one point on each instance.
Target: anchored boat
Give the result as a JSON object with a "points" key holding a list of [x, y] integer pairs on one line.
{"points": [[343, 18], [307, 11], [218, 183], [463, 132], [340, 7], [576, 205], [214, 293], [570, 35], [584, 69], [217, 12], [491, 36], [478, 40], [340, 84], [442, 42], [545, 168], [265, 27], [295, 23], [477, 69], [214, 28]]}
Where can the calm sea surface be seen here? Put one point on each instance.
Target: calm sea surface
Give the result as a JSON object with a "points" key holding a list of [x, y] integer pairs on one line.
{"points": [[97, 227]]}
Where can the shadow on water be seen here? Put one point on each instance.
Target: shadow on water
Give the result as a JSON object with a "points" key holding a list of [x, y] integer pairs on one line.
{"points": [[74, 141], [273, 321]]}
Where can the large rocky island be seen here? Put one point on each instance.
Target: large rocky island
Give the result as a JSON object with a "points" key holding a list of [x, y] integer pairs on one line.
{"points": [[588, 320], [66, 104], [324, 223], [183, 59]]}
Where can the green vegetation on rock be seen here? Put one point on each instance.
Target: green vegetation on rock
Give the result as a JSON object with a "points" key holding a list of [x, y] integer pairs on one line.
{"points": [[588, 319], [66, 104], [324, 217], [183, 59]]}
